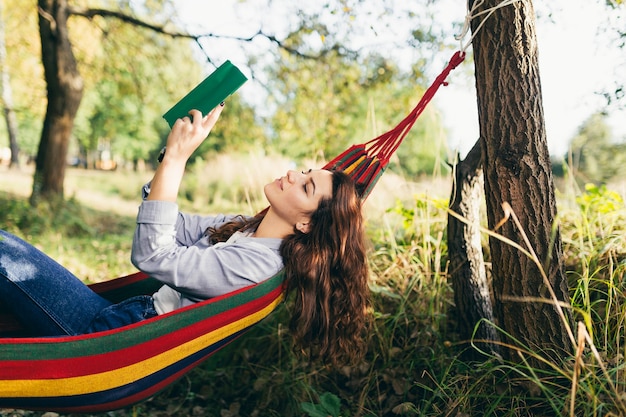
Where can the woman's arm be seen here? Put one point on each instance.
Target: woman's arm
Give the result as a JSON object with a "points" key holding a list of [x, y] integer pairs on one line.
{"points": [[184, 138], [158, 227], [199, 270]]}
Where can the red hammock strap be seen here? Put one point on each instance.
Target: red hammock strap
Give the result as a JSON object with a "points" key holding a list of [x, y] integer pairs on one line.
{"points": [[366, 162], [386, 144]]}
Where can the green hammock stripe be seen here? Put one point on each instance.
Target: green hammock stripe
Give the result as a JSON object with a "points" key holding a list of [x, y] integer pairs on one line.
{"points": [[347, 158], [373, 182]]}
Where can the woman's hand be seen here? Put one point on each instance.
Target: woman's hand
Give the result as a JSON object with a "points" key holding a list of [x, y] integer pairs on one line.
{"points": [[185, 137], [188, 133]]}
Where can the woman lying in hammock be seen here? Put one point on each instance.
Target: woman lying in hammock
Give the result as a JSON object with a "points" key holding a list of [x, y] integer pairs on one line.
{"points": [[313, 229]]}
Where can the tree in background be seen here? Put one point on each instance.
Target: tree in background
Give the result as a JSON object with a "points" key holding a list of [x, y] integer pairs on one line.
{"points": [[25, 74], [129, 88], [64, 86], [100, 99], [134, 96], [306, 26], [7, 96], [595, 156]]}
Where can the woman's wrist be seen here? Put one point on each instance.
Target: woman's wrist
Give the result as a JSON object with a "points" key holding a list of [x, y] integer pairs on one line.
{"points": [[167, 179]]}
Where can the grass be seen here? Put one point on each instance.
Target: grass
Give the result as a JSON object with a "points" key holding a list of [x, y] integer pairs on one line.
{"points": [[414, 365]]}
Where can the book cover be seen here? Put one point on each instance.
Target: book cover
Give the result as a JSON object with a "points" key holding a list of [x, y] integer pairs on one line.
{"points": [[215, 88]]}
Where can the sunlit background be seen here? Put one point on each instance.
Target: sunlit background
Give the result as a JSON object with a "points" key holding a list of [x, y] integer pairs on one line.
{"points": [[580, 59]]}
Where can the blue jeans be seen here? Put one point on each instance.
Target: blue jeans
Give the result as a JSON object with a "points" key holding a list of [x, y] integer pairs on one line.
{"points": [[50, 301]]}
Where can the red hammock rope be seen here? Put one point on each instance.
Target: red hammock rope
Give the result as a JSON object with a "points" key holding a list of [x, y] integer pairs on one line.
{"points": [[366, 162]]}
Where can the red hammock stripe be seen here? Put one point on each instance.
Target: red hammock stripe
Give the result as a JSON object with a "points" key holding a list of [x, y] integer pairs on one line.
{"points": [[41, 347], [348, 158], [122, 395], [104, 362]]}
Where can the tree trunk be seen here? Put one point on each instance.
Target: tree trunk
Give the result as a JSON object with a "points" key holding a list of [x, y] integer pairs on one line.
{"points": [[517, 170], [467, 266], [65, 90], [7, 97]]}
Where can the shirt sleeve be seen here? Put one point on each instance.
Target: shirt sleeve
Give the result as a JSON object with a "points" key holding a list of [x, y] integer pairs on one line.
{"points": [[189, 228], [165, 246]]}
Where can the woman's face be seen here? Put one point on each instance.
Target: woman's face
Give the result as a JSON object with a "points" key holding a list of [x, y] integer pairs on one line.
{"points": [[298, 194]]}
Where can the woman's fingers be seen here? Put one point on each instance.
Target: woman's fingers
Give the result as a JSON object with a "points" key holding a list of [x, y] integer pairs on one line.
{"points": [[190, 131], [195, 115], [211, 118], [207, 122]]}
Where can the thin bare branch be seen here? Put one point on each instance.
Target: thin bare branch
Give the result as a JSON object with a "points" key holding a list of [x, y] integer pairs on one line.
{"points": [[90, 13]]}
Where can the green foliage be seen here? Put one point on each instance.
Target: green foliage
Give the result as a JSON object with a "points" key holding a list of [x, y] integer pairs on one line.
{"points": [[329, 406], [599, 200], [424, 151], [237, 131], [63, 229], [25, 73], [132, 75], [29, 127], [595, 156], [127, 91], [327, 104], [589, 379], [316, 102], [65, 217]]}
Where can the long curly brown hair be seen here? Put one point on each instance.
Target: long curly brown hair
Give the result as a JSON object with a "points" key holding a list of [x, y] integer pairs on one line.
{"points": [[326, 271]]}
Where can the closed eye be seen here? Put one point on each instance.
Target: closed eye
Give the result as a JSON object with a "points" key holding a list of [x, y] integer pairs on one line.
{"points": [[307, 182]]}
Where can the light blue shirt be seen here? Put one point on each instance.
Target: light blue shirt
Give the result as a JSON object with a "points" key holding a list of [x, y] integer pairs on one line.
{"points": [[172, 247]]}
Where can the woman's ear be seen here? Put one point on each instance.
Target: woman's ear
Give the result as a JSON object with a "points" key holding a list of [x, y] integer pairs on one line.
{"points": [[303, 227]]}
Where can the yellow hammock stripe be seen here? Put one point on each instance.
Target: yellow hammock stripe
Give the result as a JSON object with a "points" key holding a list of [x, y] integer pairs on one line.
{"points": [[88, 384], [352, 166]]}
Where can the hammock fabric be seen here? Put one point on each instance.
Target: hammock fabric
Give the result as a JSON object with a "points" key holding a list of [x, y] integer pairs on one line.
{"points": [[113, 369], [117, 368]]}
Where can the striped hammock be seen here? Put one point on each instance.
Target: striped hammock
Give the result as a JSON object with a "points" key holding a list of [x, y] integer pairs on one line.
{"points": [[117, 368], [114, 369]]}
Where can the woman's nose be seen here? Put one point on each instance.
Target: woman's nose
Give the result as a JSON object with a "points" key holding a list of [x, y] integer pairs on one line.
{"points": [[292, 176]]}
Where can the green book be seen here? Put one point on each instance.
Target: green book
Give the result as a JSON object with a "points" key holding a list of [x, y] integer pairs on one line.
{"points": [[209, 93]]}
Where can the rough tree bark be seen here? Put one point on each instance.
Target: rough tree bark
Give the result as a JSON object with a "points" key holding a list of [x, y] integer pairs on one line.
{"points": [[65, 91], [517, 170], [465, 253]]}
